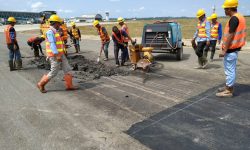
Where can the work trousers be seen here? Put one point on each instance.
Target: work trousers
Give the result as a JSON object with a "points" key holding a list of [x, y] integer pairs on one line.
{"points": [[117, 48], [106, 49], [14, 53], [36, 48], [212, 46], [230, 62], [126, 54], [55, 66], [202, 49]]}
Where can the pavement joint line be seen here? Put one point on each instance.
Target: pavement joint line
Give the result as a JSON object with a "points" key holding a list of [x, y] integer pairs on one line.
{"points": [[147, 90], [173, 113], [113, 87]]}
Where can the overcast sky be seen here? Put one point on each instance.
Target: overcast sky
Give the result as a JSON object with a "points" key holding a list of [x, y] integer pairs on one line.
{"points": [[124, 8]]}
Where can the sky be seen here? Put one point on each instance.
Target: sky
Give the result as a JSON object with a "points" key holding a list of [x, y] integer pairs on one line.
{"points": [[123, 8]]}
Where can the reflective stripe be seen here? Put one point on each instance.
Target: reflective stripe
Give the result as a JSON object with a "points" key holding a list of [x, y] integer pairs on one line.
{"points": [[202, 29], [104, 37], [215, 30], [75, 33], [237, 33]]}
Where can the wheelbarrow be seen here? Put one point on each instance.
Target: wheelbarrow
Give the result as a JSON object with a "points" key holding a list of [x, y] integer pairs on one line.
{"points": [[141, 57]]}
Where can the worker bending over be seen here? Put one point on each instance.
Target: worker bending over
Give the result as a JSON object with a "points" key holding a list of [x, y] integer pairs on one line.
{"points": [[202, 36], [233, 40], [119, 44], [75, 36], [56, 56], [105, 39], [14, 52], [35, 44]]}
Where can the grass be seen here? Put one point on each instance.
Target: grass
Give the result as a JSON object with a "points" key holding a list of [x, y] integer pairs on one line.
{"points": [[188, 27]]}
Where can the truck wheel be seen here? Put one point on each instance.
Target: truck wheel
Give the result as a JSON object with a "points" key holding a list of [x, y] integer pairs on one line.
{"points": [[179, 53]]}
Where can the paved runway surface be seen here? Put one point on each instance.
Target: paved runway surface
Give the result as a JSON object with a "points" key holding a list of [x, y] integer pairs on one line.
{"points": [[171, 108]]}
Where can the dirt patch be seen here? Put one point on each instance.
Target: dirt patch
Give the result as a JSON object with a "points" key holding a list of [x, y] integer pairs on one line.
{"points": [[83, 68]]}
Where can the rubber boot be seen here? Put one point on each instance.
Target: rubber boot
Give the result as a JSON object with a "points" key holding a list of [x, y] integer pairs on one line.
{"points": [[76, 48], [68, 82], [204, 62], [11, 65], [228, 92], [42, 83], [19, 64], [200, 63]]}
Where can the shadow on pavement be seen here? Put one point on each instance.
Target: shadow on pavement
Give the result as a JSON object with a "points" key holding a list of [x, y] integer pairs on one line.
{"points": [[169, 57], [203, 122]]}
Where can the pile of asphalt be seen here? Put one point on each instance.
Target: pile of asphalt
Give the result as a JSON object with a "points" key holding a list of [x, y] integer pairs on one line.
{"points": [[84, 69]]}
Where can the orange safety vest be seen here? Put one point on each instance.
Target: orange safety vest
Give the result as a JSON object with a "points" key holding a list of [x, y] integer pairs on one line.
{"points": [[7, 34], [104, 37], [202, 29], [44, 28], [59, 44], [239, 39], [65, 32], [125, 28], [74, 32], [32, 39], [121, 40], [215, 30]]}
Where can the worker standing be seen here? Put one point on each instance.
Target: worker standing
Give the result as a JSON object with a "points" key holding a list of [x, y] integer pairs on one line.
{"points": [[119, 44], [233, 40], [35, 44], [105, 39], [56, 56], [75, 36], [14, 52], [216, 34], [124, 27], [202, 36], [64, 35], [44, 26]]}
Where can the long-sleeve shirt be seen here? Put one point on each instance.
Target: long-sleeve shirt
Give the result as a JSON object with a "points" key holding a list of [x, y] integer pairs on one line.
{"points": [[51, 38], [207, 27], [219, 32]]}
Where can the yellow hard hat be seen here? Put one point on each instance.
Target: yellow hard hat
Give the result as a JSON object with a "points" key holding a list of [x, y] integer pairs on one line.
{"points": [[96, 22], [11, 19], [209, 18], [230, 4], [43, 36], [200, 13], [213, 16], [55, 18], [120, 19], [72, 23]]}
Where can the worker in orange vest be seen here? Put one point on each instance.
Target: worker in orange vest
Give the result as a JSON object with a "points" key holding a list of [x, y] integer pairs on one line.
{"points": [[56, 56], [35, 44], [44, 26], [14, 52], [105, 39], [233, 40], [75, 36], [64, 35], [202, 36], [124, 27], [118, 37], [216, 34]]}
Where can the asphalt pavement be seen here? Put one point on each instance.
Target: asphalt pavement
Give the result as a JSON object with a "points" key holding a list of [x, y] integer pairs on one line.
{"points": [[173, 107]]}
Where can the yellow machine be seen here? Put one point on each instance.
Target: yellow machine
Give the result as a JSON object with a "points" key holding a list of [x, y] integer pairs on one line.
{"points": [[141, 57]]}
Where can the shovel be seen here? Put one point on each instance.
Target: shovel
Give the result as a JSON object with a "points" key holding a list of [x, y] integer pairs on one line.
{"points": [[98, 59]]}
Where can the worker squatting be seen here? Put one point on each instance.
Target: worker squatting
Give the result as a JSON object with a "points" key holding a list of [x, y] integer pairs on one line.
{"points": [[208, 33]]}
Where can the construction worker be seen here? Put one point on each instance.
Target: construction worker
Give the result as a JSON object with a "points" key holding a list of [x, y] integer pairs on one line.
{"points": [[44, 26], [124, 27], [56, 56], [105, 39], [119, 43], [216, 34], [35, 44], [14, 52], [75, 36], [64, 35], [234, 39], [202, 36]]}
